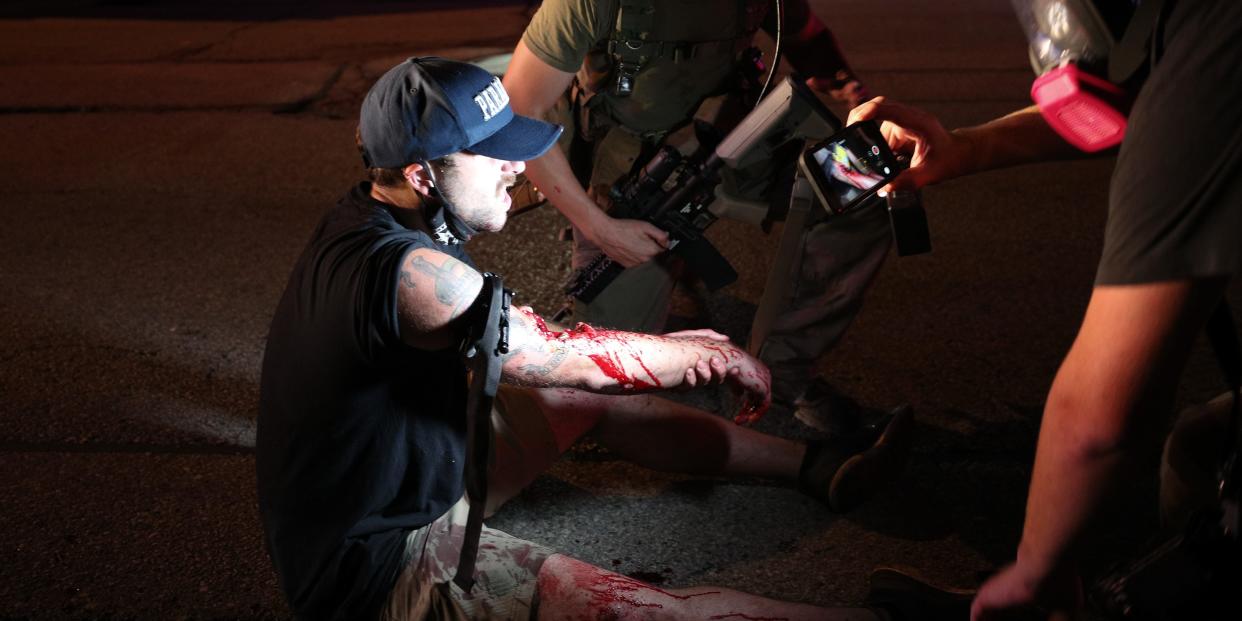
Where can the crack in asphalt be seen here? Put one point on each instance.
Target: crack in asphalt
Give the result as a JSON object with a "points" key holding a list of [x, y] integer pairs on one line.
{"points": [[190, 53], [305, 103], [113, 109], [122, 448], [21, 351], [298, 106]]}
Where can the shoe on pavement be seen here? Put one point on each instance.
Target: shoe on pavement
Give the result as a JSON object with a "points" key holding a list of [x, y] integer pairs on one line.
{"points": [[907, 596], [846, 470], [822, 407]]}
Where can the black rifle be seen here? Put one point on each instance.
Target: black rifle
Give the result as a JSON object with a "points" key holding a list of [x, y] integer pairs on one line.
{"points": [[673, 192], [678, 206]]}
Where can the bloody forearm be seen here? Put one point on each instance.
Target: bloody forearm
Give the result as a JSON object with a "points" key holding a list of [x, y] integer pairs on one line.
{"points": [[615, 362], [612, 362]]}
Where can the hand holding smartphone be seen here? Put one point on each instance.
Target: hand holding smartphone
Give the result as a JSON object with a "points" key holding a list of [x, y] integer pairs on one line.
{"points": [[848, 167]]}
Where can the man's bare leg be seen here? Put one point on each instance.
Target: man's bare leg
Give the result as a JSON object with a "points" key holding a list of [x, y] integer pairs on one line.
{"points": [[645, 430], [571, 589], [672, 437], [669, 436]]}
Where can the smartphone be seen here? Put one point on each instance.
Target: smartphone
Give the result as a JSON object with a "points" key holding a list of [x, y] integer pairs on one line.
{"points": [[849, 166]]}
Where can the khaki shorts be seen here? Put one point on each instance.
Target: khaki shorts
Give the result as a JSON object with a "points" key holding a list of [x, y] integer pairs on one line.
{"points": [[507, 567]]}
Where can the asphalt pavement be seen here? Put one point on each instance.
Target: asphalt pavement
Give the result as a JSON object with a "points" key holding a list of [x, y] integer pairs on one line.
{"points": [[162, 165]]}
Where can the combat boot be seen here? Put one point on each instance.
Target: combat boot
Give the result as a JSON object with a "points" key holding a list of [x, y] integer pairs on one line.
{"points": [[847, 469], [824, 408], [904, 595]]}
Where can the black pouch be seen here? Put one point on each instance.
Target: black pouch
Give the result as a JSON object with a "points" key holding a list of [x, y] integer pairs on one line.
{"points": [[908, 220], [1194, 575]]}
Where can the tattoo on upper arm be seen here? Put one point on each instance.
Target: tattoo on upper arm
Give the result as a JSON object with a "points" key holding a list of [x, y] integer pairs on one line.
{"points": [[407, 279], [451, 281]]}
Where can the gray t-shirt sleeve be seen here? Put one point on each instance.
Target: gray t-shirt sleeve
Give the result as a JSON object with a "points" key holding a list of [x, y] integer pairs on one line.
{"points": [[1175, 204], [563, 31]]}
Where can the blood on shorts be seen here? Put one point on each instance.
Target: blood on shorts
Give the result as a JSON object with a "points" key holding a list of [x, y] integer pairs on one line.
{"points": [[609, 592]]}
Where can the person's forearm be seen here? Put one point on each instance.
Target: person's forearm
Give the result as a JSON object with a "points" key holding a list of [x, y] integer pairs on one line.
{"points": [[534, 89], [552, 175], [1077, 464], [1021, 137], [1106, 406], [604, 361]]}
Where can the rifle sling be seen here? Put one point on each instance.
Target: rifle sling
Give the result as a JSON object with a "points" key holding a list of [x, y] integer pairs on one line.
{"points": [[487, 339]]}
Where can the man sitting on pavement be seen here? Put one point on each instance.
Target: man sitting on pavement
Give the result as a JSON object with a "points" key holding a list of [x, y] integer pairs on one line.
{"points": [[362, 426]]}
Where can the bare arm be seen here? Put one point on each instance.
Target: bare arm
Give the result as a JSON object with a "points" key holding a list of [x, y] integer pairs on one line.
{"points": [[534, 87], [1021, 137], [612, 362], [1107, 404], [435, 291]]}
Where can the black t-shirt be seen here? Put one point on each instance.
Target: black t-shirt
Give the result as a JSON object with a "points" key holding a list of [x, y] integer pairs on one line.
{"points": [[361, 438], [1175, 204]]}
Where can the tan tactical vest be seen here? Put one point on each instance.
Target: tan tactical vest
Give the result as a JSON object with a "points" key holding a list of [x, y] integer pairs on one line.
{"points": [[669, 55]]}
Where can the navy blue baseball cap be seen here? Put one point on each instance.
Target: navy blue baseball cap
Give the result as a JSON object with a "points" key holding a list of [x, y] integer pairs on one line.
{"points": [[427, 108]]}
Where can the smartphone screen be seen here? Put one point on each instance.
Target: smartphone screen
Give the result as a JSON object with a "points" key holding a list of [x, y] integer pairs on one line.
{"points": [[850, 165]]}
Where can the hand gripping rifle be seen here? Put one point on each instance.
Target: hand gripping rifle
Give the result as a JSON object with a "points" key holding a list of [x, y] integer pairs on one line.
{"points": [[674, 192]]}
